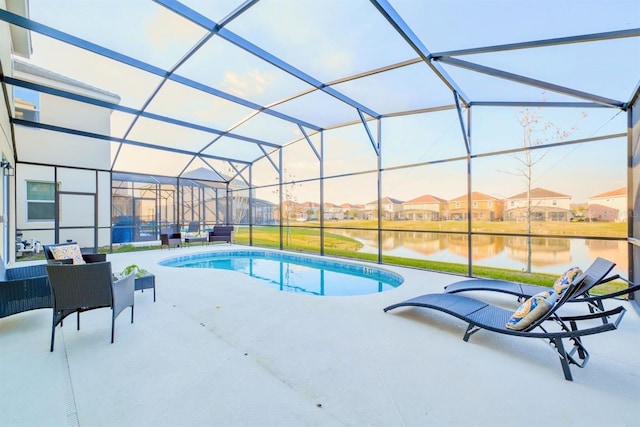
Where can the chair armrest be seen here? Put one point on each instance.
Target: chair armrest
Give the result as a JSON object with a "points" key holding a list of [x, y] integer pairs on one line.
{"points": [[89, 258], [122, 292], [26, 272], [596, 315], [60, 261]]}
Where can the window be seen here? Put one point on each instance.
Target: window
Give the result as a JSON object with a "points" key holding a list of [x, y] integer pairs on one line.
{"points": [[27, 103], [475, 204], [41, 201]]}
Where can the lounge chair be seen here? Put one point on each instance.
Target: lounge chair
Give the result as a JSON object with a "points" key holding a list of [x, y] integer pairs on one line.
{"points": [[83, 287], [480, 315], [524, 291]]}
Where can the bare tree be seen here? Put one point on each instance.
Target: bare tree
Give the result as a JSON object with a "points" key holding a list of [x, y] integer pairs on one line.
{"points": [[535, 132], [290, 199]]}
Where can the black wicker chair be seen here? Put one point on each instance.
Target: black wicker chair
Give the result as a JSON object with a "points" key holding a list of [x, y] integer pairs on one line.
{"points": [[23, 289], [88, 258], [221, 233], [78, 288]]}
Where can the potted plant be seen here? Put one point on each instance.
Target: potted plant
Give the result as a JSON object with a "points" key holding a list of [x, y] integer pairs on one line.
{"points": [[144, 279], [131, 268]]}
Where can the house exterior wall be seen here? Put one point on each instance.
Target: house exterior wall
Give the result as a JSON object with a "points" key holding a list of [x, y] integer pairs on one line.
{"points": [[542, 209], [79, 164], [423, 211], [482, 210], [7, 199], [618, 203], [64, 149]]}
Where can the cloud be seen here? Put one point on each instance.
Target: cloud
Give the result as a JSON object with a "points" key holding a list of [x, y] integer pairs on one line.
{"points": [[168, 29], [252, 83]]}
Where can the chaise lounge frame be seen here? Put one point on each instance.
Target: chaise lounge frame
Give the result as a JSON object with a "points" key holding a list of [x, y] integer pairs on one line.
{"points": [[524, 291], [480, 315]]}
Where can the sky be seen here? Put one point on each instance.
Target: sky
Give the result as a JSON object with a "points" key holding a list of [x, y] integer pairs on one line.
{"points": [[330, 40]]}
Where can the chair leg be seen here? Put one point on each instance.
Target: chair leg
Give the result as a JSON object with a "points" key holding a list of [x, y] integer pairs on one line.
{"points": [[131, 314], [78, 319], [557, 342], [113, 324], [53, 332]]}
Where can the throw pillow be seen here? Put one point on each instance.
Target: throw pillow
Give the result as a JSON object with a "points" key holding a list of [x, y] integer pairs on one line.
{"points": [[531, 310], [68, 252], [567, 278]]}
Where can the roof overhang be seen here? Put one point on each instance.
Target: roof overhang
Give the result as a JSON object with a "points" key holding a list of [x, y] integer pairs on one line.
{"points": [[20, 37]]}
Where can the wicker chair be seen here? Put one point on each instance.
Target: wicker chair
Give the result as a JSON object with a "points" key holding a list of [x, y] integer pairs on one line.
{"points": [[78, 288], [168, 238], [90, 257], [23, 289], [221, 233]]}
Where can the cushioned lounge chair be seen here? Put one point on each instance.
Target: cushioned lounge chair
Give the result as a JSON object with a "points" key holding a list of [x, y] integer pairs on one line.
{"points": [[524, 291], [78, 288], [480, 315]]}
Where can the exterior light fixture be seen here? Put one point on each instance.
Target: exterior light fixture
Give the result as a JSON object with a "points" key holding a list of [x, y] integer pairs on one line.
{"points": [[7, 168]]}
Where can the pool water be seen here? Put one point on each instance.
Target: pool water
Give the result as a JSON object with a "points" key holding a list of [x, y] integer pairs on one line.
{"points": [[296, 273]]}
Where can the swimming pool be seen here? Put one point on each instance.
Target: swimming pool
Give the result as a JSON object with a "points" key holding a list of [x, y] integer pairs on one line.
{"points": [[296, 273]]}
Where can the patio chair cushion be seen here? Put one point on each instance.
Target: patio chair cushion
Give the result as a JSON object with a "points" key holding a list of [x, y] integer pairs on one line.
{"points": [[532, 309], [567, 278], [68, 252]]}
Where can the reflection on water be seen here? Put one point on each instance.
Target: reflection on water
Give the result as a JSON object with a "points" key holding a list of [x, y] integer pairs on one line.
{"points": [[551, 255]]}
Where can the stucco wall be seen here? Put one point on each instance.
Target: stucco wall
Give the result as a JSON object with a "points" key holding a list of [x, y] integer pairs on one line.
{"points": [[6, 146]]}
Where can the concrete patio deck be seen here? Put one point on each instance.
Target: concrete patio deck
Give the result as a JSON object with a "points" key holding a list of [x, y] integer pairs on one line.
{"points": [[221, 348]]}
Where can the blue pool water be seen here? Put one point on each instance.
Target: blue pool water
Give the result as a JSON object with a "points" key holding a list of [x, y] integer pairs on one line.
{"points": [[296, 273]]}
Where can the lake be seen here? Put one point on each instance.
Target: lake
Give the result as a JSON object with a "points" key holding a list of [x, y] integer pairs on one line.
{"points": [[549, 255]]}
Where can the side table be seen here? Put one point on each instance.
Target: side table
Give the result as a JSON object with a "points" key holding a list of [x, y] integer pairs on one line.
{"points": [[189, 240], [148, 281]]}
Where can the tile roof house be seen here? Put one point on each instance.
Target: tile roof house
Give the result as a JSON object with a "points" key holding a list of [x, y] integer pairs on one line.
{"points": [[332, 211], [483, 207], [391, 209], [608, 206], [351, 210], [425, 208], [546, 205]]}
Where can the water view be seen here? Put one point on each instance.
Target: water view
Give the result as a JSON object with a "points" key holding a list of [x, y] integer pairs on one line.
{"points": [[550, 255]]}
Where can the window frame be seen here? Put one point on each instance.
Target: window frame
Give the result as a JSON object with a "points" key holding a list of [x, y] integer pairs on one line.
{"points": [[29, 201]]}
